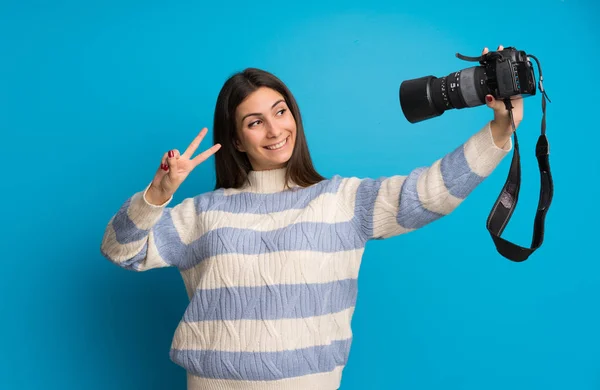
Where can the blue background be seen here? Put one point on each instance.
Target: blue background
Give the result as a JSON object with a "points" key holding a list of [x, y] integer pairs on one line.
{"points": [[92, 95]]}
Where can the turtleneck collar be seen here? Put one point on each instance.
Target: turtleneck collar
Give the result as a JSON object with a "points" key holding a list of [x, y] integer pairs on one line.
{"points": [[267, 181]]}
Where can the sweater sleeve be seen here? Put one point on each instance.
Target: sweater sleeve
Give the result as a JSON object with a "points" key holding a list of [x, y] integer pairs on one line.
{"points": [[143, 236], [390, 206]]}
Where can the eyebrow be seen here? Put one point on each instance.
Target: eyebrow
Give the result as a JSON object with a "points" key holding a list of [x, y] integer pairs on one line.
{"points": [[256, 113]]}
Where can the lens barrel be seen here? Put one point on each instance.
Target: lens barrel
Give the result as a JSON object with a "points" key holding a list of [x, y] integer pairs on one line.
{"points": [[427, 97]]}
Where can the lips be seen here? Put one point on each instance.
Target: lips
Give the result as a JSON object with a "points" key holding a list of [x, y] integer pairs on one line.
{"points": [[278, 145]]}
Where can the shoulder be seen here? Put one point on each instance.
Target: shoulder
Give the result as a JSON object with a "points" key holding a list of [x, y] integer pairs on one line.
{"points": [[197, 203], [351, 183], [327, 185]]}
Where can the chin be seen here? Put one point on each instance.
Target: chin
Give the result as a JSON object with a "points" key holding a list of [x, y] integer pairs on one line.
{"points": [[279, 164]]}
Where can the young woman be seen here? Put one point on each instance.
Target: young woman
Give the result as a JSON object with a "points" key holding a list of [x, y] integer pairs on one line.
{"points": [[270, 258]]}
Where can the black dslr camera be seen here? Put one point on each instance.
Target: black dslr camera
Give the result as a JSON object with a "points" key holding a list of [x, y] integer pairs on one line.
{"points": [[506, 74], [503, 74]]}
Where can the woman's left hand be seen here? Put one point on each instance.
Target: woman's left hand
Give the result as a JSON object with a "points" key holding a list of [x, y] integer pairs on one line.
{"points": [[501, 124]]}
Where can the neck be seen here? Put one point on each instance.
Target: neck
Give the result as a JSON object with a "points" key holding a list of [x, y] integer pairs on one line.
{"points": [[267, 181]]}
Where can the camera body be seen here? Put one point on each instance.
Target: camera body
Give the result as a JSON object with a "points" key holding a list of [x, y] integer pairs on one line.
{"points": [[510, 74], [503, 74]]}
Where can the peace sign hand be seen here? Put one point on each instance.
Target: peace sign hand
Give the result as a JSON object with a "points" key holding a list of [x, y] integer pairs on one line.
{"points": [[175, 168]]}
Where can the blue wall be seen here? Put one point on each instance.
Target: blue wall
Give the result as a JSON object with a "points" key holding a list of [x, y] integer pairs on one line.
{"points": [[92, 95]]}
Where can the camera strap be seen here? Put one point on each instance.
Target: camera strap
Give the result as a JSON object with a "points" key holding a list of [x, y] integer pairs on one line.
{"points": [[507, 200]]}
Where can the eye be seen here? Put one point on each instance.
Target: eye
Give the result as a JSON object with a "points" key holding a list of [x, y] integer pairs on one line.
{"points": [[251, 124], [256, 122]]}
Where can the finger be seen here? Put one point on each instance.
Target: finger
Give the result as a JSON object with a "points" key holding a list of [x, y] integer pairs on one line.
{"points": [[500, 48], [195, 143], [163, 163], [162, 169], [206, 154], [172, 159], [485, 50]]}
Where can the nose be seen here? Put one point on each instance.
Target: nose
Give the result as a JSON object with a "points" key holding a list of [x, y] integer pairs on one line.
{"points": [[272, 131]]}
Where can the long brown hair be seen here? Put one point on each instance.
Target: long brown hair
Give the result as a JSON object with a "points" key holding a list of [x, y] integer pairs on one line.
{"points": [[232, 166]]}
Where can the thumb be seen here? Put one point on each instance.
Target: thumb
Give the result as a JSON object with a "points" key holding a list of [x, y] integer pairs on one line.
{"points": [[491, 102], [501, 114], [497, 105]]}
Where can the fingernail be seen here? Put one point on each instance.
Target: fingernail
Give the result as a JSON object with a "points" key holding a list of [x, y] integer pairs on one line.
{"points": [[171, 153], [164, 167], [488, 98]]}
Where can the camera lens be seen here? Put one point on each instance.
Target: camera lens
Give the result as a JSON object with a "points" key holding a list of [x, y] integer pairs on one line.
{"points": [[416, 100], [427, 97]]}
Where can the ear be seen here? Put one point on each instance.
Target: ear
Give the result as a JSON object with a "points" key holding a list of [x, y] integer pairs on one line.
{"points": [[238, 146]]}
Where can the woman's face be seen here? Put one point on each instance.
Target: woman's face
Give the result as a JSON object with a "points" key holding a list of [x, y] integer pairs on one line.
{"points": [[266, 129]]}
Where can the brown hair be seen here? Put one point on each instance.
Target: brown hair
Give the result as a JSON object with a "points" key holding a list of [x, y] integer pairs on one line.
{"points": [[231, 165]]}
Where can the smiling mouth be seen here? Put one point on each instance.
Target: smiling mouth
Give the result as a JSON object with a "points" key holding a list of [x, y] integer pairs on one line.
{"points": [[278, 145]]}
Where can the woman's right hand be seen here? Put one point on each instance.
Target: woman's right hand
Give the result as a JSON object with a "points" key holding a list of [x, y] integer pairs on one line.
{"points": [[175, 168]]}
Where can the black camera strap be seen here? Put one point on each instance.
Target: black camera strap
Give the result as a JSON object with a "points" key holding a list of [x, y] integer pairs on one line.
{"points": [[507, 200]]}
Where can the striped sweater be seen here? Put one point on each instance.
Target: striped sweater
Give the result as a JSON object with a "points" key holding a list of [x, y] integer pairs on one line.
{"points": [[271, 274]]}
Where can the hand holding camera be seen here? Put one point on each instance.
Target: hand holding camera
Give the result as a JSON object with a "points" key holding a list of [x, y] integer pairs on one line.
{"points": [[501, 124]]}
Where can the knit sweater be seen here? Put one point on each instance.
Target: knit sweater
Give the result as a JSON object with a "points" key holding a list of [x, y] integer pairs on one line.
{"points": [[271, 273]]}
